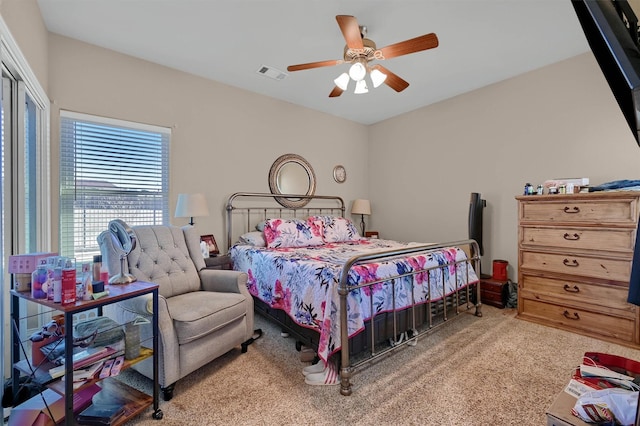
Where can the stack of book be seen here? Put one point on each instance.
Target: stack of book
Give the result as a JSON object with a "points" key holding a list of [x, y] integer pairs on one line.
{"points": [[83, 358], [101, 414]]}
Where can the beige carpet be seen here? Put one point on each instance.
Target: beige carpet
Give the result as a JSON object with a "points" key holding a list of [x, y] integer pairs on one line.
{"points": [[494, 370]]}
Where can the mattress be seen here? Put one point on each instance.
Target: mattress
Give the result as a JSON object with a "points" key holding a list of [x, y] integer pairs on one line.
{"points": [[304, 281]]}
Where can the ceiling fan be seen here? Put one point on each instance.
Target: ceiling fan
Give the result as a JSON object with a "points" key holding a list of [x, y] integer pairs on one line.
{"points": [[360, 51]]}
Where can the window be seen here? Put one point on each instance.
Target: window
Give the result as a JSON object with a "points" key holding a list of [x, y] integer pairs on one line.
{"points": [[109, 169]]}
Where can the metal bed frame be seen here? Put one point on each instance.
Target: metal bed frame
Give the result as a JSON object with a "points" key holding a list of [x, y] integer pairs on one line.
{"points": [[385, 333]]}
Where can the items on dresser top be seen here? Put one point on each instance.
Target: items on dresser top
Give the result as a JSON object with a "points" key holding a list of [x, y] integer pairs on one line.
{"points": [[574, 261]]}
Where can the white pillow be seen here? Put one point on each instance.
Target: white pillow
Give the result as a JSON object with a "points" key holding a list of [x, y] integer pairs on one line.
{"points": [[254, 238]]}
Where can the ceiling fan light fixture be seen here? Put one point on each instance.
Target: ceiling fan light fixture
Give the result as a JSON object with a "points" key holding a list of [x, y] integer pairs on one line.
{"points": [[377, 77], [357, 71], [361, 87], [342, 81]]}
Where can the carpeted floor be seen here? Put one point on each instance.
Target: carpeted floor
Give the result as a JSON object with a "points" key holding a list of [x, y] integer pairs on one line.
{"points": [[493, 370]]}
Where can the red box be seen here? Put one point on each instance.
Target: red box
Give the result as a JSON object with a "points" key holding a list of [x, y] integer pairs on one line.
{"points": [[26, 263], [68, 286]]}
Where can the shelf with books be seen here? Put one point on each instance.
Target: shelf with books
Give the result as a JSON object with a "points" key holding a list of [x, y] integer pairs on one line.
{"points": [[59, 385], [75, 362]]}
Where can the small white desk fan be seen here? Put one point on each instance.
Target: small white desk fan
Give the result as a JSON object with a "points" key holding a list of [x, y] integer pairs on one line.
{"points": [[124, 240]]}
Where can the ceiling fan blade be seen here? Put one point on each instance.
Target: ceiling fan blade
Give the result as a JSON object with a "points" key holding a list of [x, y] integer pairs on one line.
{"points": [[393, 81], [336, 92], [311, 65], [351, 31], [427, 41]]}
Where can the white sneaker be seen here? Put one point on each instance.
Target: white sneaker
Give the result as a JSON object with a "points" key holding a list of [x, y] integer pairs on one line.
{"points": [[313, 369], [327, 377]]}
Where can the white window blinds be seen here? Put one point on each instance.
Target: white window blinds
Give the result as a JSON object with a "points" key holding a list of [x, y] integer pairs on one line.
{"points": [[109, 169]]}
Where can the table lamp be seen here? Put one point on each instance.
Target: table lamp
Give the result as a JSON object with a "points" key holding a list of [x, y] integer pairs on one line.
{"points": [[361, 207], [191, 205]]}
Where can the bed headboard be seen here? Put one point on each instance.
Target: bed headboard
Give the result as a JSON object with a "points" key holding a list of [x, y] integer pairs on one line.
{"points": [[246, 209]]}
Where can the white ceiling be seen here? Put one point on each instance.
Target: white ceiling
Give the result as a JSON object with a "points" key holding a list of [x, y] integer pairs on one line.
{"points": [[481, 42]]}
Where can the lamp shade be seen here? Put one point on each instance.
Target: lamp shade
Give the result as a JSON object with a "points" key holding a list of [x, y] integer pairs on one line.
{"points": [[361, 87], [191, 205], [377, 77], [361, 207], [342, 81], [357, 71]]}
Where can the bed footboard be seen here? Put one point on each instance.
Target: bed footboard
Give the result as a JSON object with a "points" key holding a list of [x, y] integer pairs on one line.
{"points": [[405, 326]]}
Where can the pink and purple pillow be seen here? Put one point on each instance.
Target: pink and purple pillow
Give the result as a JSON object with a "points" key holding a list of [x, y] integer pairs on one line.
{"points": [[281, 233], [337, 229]]}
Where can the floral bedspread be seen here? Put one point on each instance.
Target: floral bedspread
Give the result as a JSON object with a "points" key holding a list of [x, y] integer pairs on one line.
{"points": [[304, 282]]}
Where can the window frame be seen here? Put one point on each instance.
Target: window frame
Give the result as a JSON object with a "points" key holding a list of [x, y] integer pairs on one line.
{"points": [[106, 136]]}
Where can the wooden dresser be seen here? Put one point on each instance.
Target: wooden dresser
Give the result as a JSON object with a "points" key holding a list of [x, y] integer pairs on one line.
{"points": [[574, 263]]}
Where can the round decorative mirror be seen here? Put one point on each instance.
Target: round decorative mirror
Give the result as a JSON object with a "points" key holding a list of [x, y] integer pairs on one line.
{"points": [[291, 174]]}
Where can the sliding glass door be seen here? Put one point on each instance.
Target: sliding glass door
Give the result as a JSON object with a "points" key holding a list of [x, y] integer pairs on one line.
{"points": [[24, 177]]}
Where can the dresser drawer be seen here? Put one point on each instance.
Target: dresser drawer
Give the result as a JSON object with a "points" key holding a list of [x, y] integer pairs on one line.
{"points": [[615, 240], [594, 267], [602, 298], [583, 321], [620, 211]]}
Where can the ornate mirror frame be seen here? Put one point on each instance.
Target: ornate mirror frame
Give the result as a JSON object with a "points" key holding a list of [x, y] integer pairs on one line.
{"points": [[285, 167]]}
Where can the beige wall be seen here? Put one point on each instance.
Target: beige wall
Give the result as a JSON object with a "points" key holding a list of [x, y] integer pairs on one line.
{"points": [[25, 23], [418, 169], [224, 140], [558, 121]]}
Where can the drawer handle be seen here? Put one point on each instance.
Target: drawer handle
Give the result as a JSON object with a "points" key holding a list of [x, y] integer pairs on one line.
{"points": [[575, 289], [573, 237], [574, 263], [567, 315], [572, 209]]}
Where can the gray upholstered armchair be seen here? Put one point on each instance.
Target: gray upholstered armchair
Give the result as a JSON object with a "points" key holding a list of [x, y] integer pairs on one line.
{"points": [[202, 313]]}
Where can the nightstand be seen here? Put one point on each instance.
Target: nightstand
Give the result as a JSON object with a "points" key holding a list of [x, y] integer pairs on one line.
{"points": [[222, 261], [492, 292]]}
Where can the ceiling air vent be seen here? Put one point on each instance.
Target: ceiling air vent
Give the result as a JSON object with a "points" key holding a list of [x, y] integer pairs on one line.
{"points": [[272, 72]]}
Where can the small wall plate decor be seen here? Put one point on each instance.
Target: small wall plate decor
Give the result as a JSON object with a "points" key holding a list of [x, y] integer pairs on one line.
{"points": [[339, 174]]}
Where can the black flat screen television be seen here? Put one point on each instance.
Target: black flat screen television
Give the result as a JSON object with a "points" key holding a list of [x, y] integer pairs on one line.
{"points": [[611, 29]]}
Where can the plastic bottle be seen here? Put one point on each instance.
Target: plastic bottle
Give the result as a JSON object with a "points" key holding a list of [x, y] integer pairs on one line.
{"points": [[100, 271], [69, 281], [104, 274], [51, 265], [57, 282], [97, 267], [87, 287]]}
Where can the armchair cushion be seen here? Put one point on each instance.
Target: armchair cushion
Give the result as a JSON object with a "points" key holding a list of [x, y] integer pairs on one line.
{"points": [[199, 313]]}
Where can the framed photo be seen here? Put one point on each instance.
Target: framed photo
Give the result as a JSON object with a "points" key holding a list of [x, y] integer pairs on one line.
{"points": [[211, 243], [371, 234]]}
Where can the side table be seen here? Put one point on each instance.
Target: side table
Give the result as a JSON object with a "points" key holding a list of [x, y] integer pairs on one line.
{"points": [[492, 292], [222, 261]]}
